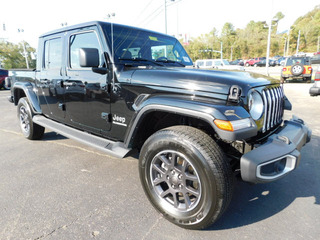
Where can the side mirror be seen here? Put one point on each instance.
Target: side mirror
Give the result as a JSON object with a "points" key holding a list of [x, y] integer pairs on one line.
{"points": [[89, 57]]}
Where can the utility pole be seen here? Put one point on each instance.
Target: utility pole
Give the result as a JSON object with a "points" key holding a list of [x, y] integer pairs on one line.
{"points": [[269, 41], [284, 48], [24, 49], [288, 43], [298, 43], [165, 16], [221, 52]]}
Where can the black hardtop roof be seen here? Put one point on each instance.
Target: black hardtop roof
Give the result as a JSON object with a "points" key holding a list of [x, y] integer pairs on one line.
{"points": [[92, 23]]}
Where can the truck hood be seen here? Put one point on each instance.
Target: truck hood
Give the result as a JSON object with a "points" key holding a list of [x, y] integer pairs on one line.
{"points": [[195, 80]]}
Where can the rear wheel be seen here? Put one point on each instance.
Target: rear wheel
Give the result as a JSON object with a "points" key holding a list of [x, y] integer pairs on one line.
{"points": [[186, 176], [29, 129]]}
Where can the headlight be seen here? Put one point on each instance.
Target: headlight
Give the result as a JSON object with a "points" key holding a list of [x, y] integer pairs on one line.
{"points": [[255, 105]]}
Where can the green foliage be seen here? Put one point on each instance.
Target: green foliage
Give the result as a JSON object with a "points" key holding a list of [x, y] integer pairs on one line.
{"points": [[12, 55], [252, 41]]}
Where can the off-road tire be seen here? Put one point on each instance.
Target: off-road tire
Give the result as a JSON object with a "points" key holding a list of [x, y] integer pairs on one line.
{"points": [[297, 69], [29, 129], [186, 176]]}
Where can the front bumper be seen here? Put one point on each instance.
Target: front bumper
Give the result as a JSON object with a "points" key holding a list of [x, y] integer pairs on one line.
{"points": [[278, 156]]}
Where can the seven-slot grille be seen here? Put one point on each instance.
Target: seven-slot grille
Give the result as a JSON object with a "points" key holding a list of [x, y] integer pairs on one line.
{"points": [[273, 107]]}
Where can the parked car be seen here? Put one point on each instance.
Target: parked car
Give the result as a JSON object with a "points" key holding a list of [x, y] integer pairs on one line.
{"points": [[262, 63], [315, 59], [280, 61], [3, 75], [252, 61], [297, 67], [315, 89], [237, 62], [217, 64]]}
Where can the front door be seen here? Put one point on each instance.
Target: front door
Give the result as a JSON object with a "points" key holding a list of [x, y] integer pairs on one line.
{"points": [[51, 93], [87, 100]]}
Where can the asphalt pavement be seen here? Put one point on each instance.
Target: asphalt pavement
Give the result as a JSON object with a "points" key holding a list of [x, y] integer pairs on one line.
{"points": [[57, 188]]}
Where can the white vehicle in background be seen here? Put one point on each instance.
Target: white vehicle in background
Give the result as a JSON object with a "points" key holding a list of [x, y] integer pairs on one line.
{"points": [[217, 64]]}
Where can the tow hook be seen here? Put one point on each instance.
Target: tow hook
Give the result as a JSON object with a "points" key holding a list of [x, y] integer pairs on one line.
{"points": [[284, 139]]}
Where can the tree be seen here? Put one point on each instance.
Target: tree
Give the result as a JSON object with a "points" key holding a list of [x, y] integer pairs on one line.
{"points": [[251, 41], [12, 55], [228, 38]]}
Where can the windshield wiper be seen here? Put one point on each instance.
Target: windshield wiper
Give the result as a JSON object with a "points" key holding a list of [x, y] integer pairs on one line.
{"points": [[170, 61], [141, 60]]}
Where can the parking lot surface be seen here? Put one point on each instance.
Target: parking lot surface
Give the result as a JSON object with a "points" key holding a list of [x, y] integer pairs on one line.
{"points": [[57, 188]]}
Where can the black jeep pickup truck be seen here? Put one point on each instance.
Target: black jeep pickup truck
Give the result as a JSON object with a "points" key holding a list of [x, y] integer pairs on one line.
{"points": [[120, 88]]}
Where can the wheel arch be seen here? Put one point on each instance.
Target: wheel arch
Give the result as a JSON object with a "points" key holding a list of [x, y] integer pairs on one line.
{"points": [[21, 89], [158, 118]]}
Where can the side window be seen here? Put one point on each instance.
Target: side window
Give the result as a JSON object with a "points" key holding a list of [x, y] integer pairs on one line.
{"points": [[83, 40], [52, 54], [208, 63]]}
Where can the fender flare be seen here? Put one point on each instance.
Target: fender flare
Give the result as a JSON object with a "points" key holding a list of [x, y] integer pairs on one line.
{"points": [[28, 90], [190, 108]]}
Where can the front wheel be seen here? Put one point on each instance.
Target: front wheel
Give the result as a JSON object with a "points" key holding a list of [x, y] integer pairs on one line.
{"points": [[29, 129], [186, 176]]}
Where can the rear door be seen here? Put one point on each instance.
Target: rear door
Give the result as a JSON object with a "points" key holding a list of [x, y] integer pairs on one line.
{"points": [[86, 93]]}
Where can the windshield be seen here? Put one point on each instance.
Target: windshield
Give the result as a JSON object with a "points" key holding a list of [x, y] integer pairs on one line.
{"points": [[131, 44], [301, 60], [226, 62]]}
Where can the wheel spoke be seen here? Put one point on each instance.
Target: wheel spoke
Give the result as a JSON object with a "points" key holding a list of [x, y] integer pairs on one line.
{"points": [[175, 200], [157, 181], [191, 177], [184, 166], [173, 159], [192, 191], [165, 160], [186, 200], [158, 169], [165, 193]]}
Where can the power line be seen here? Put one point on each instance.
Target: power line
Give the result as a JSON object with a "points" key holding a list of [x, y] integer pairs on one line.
{"points": [[142, 12], [159, 10]]}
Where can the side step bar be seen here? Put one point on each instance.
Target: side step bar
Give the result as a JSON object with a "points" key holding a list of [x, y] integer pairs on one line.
{"points": [[116, 149]]}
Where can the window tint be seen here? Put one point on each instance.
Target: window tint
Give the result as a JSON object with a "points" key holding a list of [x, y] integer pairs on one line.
{"points": [[83, 40], [53, 54]]}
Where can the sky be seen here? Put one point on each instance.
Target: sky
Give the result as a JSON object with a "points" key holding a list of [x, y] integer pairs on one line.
{"points": [[192, 17]]}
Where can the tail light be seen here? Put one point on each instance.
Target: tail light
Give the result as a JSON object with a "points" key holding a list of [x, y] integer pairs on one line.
{"points": [[317, 78], [284, 69]]}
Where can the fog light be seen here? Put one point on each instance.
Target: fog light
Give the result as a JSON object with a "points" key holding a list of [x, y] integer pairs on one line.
{"points": [[276, 168]]}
